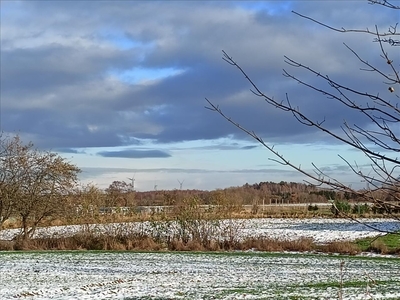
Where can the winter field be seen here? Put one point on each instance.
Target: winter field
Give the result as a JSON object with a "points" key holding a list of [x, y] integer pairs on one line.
{"points": [[322, 230], [166, 275], [225, 275]]}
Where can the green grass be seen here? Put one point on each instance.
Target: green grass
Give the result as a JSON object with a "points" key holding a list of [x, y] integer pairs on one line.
{"points": [[389, 243], [346, 284]]}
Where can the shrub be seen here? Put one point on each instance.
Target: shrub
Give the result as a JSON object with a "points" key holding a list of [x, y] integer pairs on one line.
{"points": [[342, 247], [340, 207], [6, 245], [379, 246], [361, 209], [268, 244]]}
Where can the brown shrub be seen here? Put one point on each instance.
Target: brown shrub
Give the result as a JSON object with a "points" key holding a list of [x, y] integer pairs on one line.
{"points": [[342, 247], [379, 247], [143, 243], [20, 244], [84, 241], [303, 244], [260, 244], [114, 244], [177, 245], [276, 245], [6, 245], [46, 244], [213, 246], [194, 245], [228, 245]]}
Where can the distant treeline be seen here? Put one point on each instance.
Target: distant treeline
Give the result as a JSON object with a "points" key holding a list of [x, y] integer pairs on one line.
{"points": [[248, 194]]}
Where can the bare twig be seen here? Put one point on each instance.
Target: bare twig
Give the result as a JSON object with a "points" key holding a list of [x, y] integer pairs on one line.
{"points": [[379, 142]]}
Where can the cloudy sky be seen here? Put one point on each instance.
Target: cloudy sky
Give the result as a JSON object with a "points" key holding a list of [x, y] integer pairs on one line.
{"points": [[119, 87]]}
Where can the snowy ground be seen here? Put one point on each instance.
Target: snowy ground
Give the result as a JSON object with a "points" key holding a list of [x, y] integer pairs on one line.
{"points": [[321, 230], [128, 275]]}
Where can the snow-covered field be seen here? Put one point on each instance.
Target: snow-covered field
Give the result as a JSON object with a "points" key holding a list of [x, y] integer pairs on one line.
{"points": [[321, 230], [129, 275]]}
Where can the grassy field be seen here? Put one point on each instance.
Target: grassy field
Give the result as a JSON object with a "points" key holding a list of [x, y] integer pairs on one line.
{"points": [[387, 244]]}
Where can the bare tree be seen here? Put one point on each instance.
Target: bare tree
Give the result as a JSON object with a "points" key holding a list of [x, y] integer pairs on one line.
{"points": [[35, 183], [88, 202], [380, 142], [119, 193], [10, 174]]}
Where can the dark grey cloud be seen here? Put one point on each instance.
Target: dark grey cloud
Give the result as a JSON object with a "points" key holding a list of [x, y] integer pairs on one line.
{"points": [[218, 146], [333, 168], [60, 88], [69, 150], [249, 147], [135, 154]]}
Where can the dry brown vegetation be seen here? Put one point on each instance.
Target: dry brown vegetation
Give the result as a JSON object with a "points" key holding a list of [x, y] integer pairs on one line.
{"points": [[146, 243], [340, 247], [194, 223]]}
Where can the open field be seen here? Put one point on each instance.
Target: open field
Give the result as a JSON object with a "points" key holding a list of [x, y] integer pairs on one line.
{"points": [[165, 275], [321, 230], [205, 275]]}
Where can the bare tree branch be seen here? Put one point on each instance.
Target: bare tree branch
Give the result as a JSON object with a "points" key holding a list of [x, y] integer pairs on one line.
{"points": [[384, 3], [380, 142]]}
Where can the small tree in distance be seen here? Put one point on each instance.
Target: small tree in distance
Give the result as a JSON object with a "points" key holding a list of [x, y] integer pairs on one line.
{"points": [[119, 193], [380, 142]]}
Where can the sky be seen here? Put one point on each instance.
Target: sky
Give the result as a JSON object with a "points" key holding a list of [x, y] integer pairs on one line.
{"points": [[118, 87]]}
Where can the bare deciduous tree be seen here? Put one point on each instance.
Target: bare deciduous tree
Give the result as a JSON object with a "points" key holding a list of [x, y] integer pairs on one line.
{"points": [[380, 142], [10, 174], [89, 199], [34, 183], [119, 193]]}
